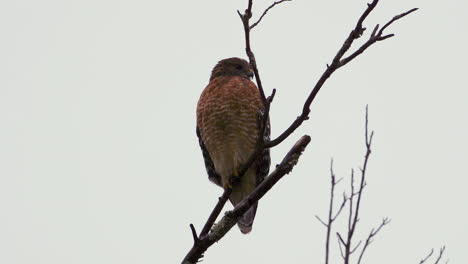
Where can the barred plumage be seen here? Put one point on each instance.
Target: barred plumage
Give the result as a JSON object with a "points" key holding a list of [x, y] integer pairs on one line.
{"points": [[229, 112]]}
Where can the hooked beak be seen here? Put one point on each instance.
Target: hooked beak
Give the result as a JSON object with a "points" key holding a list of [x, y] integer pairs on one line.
{"points": [[251, 73]]}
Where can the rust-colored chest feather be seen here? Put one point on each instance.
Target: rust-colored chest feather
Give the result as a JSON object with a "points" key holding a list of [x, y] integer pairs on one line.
{"points": [[227, 116]]}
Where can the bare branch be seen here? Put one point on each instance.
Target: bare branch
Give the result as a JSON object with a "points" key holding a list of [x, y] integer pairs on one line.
{"points": [[248, 50], [441, 253], [266, 11], [331, 218], [340, 239], [371, 235], [356, 247], [427, 257], [439, 257], [355, 205], [395, 18], [321, 221], [340, 242], [374, 37], [231, 217], [351, 202], [337, 62], [340, 209], [194, 234], [216, 211]]}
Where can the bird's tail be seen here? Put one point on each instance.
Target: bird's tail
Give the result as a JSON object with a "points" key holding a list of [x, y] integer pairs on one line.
{"points": [[239, 192], [246, 221]]}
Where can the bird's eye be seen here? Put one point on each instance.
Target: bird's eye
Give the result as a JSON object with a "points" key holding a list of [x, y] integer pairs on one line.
{"points": [[238, 67]]}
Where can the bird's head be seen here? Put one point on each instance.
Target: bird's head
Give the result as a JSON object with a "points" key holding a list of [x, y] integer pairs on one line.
{"points": [[232, 67]]}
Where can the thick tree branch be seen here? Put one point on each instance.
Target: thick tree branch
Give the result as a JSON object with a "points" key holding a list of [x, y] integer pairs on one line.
{"points": [[230, 218]]}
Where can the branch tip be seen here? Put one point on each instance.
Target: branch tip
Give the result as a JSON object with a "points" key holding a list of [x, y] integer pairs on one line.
{"points": [[194, 234], [266, 11]]}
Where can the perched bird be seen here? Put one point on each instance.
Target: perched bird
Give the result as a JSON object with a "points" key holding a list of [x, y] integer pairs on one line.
{"points": [[229, 114]]}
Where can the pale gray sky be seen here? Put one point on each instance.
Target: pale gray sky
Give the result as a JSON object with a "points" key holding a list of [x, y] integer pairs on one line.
{"points": [[99, 161]]}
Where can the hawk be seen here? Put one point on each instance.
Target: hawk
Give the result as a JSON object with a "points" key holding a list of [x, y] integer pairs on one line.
{"points": [[229, 115]]}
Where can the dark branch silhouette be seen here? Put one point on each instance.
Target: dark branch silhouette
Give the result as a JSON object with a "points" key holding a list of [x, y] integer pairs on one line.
{"points": [[331, 215], [266, 11], [353, 216], [439, 257], [371, 235], [345, 243], [338, 62]]}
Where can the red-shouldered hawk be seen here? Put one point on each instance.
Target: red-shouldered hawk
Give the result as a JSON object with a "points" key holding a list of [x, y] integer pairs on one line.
{"points": [[229, 115]]}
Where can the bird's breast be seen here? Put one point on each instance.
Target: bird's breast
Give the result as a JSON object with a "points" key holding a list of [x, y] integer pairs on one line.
{"points": [[227, 116]]}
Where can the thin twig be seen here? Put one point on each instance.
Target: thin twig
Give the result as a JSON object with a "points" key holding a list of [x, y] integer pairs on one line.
{"points": [[341, 242], [330, 213], [371, 235], [194, 234], [331, 217], [245, 22], [355, 247], [439, 257], [427, 257], [343, 203], [321, 221], [374, 37], [354, 208], [266, 11], [441, 253]]}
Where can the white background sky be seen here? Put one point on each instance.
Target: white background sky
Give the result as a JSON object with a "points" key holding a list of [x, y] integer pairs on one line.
{"points": [[99, 161]]}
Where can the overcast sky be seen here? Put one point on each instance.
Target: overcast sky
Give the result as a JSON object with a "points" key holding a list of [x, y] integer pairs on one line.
{"points": [[99, 161]]}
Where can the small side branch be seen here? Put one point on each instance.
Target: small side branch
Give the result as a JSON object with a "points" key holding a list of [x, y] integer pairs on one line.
{"points": [[266, 11], [441, 253], [427, 257], [438, 259], [371, 235]]}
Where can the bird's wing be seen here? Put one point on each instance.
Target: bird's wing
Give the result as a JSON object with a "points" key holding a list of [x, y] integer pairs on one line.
{"points": [[263, 162], [210, 169]]}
